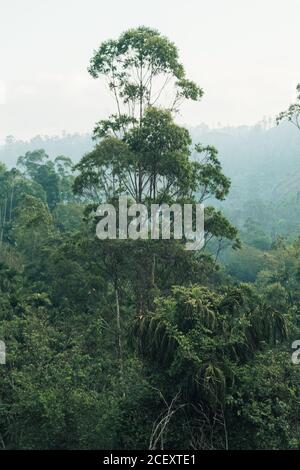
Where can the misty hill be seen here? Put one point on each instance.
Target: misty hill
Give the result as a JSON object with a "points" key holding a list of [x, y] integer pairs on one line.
{"points": [[71, 145], [262, 162]]}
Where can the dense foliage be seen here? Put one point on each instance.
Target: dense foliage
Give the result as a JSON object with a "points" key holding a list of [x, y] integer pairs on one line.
{"points": [[140, 343]]}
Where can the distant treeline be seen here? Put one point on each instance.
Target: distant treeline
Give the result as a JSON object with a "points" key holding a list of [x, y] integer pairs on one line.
{"points": [[260, 160]]}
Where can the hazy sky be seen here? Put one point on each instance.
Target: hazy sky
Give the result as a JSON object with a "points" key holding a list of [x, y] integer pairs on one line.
{"points": [[244, 53]]}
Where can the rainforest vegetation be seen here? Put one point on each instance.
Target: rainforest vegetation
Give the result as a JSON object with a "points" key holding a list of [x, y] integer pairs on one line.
{"points": [[141, 344]]}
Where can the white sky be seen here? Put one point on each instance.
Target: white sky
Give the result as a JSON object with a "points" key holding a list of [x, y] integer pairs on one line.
{"points": [[244, 53]]}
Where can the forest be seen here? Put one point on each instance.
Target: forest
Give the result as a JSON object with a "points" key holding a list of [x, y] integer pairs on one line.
{"points": [[141, 344]]}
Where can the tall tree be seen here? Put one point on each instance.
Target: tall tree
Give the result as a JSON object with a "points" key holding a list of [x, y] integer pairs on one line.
{"points": [[143, 154]]}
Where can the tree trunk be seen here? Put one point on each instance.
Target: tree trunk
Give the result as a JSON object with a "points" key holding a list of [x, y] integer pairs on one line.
{"points": [[119, 331]]}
